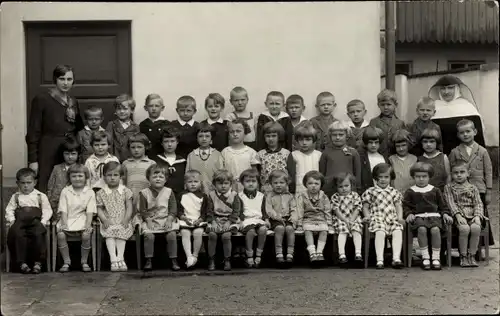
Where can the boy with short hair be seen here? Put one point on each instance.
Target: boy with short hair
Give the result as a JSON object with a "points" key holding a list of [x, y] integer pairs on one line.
{"points": [[239, 99], [294, 105], [28, 213], [325, 103], [387, 121], [214, 105], [274, 104], [425, 110], [356, 111], [153, 126], [187, 126], [93, 117]]}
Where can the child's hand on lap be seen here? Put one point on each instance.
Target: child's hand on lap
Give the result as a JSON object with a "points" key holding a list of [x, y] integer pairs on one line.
{"points": [[401, 221], [461, 220], [448, 220], [477, 220], [268, 224], [197, 222], [149, 223], [106, 223], [168, 224], [411, 218], [88, 230], [366, 219]]}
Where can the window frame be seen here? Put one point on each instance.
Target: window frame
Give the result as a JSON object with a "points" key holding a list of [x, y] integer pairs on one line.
{"points": [[408, 63], [466, 64]]}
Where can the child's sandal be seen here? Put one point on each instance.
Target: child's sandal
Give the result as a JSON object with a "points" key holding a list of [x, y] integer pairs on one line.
{"points": [[37, 268], [86, 267], [342, 259], [312, 257], [64, 268]]}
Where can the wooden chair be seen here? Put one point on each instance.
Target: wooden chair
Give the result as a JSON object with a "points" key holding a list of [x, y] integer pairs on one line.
{"points": [[484, 235], [368, 236], [447, 235], [135, 237], [7, 250], [73, 238]]}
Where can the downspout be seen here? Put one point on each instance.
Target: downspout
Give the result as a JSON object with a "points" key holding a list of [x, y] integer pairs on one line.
{"points": [[390, 45]]}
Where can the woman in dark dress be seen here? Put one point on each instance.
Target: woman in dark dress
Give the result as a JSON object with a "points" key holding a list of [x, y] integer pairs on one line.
{"points": [[54, 115]]}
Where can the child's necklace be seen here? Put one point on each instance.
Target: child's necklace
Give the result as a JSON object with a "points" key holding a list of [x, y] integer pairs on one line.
{"points": [[204, 154]]}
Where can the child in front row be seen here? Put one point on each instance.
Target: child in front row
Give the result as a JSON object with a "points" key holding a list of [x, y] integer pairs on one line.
{"points": [[274, 104], [430, 141], [27, 216], [77, 208], [158, 211], [294, 106], [239, 100], [100, 142], [282, 211], [254, 219], [382, 209], [347, 208], [214, 105], [225, 218], [193, 208], [93, 118], [425, 210], [314, 214], [325, 104], [115, 210], [153, 126], [306, 158], [356, 111], [370, 156]]}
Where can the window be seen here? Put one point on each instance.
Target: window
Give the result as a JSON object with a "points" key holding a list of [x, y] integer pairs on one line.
{"points": [[404, 68], [464, 64]]}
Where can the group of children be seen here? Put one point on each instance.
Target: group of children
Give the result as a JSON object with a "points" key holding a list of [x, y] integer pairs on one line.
{"points": [[249, 174]]}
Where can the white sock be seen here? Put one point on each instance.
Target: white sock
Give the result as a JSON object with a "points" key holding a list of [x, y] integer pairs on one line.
{"points": [[120, 248], [379, 245], [425, 253], [311, 249], [397, 244], [356, 236], [111, 245], [320, 247], [341, 240], [436, 253]]}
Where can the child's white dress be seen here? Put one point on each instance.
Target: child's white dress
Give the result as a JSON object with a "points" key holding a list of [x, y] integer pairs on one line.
{"points": [[238, 160], [252, 209], [77, 205], [383, 215], [193, 206], [304, 163], [113, 202], [347, 204]]}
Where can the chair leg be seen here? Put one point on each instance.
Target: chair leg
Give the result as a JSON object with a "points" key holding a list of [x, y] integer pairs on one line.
{"points": [[367, 245], [404, 245], [138, 249], [54, 248], [48, 252], [448, 247], [7, 259], [94, 250], [99, 250], [409, 247], [487, 243]]}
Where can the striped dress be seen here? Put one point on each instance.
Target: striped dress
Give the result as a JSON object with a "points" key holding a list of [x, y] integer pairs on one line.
{"points": [[136, 181], [402, 168]]}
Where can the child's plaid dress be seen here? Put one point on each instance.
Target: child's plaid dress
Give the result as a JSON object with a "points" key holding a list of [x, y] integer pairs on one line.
{"points": [[383, 216]]}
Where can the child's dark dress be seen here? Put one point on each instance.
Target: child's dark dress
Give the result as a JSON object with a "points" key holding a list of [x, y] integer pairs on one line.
{"points": [[440, 177], [262, 120], [429, 201]]}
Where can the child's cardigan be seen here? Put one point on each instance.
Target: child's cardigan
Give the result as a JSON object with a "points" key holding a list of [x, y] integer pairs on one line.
{"points": [[366, 172]]}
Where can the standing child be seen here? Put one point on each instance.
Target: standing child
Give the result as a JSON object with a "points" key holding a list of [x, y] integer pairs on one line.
{"points": [[274, 157], [339, 157], [153, 126], [383, 210], [100, 143], [425, 110], [325, 104], [274, 104], [347, 208], [123, 127], [402, 161], [205, 158], [467, 208], [294, 108], [214, 105], [239, 100], [281, 208], [387, 121], [187, 126], [425, 210], [93, 117], [27, 216], [306, 157], [193, 209], [238, 156], [77, 209], [158, 210], [224, 220], [430, 140], [356, 111], [370, 156], [114, 209], [315, 214], [254, 219]]}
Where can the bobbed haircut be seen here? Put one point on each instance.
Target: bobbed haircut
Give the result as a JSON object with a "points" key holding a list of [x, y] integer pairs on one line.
{"points": [[92, 110], [25, 172], [242, 122], [431, 133], [276, 94], [112, 165], [422, 167], [124, 99], [400, 136], [249, 173], [139, 138], [186, 101], [383, 168], [217, 98], [341, 177], [340, 126], [313, 174], [78, 168], [61, 70], [222, 175], [70, 144], [294, 99], [305, 129], [387, 95], [372, 133], [204, 127], [98, 136], [170, 132], [151, 97], [276, 174], [156, 169], [274, 127]]}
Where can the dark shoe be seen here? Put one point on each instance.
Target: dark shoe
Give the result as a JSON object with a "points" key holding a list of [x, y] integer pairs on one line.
{"points": [[289, 258], [358, 258], [464, 261], [37, 268], [397, 264], [280, 259], [227, 264], [86, 267], [342, 260], [380, 265], [148, 266], [257, 262], [211, 264], [65, 268], [426, 264], [25, 268], [472, 261], [320, 257], [175, 265], [436, 264]]}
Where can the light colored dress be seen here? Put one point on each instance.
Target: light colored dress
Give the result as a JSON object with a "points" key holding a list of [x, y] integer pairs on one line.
{"points": [[238, 160], [113, 202], [95, 166], [77, 205], [207, 162], [271, 161], [402, 167], [194, 207], [383, 215], [252, 210], [346, 205], [304, 163], [158, 208]]}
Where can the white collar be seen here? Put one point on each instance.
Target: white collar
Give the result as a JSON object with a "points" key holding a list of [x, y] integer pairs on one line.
{"points": [[351, 124], [210, 121], [190, 122], [159, 118], [282, 115], [425, 189], [108, 156], [88, 128], [120, 188], [433, 156], [177, 160], [72, 190], [302, 118]]}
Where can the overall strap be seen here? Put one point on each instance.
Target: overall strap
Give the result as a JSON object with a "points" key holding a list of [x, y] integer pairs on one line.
{"points": [[39, 200], [17, 199]]}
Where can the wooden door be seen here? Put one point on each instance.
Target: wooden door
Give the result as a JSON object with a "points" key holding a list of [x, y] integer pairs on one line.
{"points": [[99, 53]]}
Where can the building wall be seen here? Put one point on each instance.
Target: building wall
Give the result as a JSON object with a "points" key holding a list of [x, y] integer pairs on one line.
{"points": [[198, 48]]}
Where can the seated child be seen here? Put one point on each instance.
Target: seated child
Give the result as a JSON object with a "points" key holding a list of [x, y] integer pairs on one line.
{"points": [[430, 141], [347, 208], [158, 211], [254, 219], [153, 126], [425, 210], [306, 158], [100, 142], [425, 111], [282, 211], [28, 214], [193, 208], [239, 100], [314, 214], [225, 218], [274, 104], [115, 210], [93, 116], [214, 105], [356, 111], [294, 108], [370, 156], [383, 210], [187, 126], [467, 209], [77, 208], [325, 104], [402, 161]]}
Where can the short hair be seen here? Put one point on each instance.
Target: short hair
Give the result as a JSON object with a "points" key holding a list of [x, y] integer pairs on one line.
{"points": [[112, 165], [431, 133], [401, 135], [382, 168], [237, 90], [204, 127], [341, 177], [465, 122], [276, 94], [275, 174], [78, 168], [241, 121], [92, 110], [324, 94], [139, 138], [355, 102], [372, 133], [61, 70], [186, 101], [294, 99], [217, 98], [154, 169], [340, 125], [153, 96], [249, 173], [25, 172], [70, 144], [98, 136], [314, 174], [428, 101], [191, 173], [222, 175], [459, 163], [124, 98], [170, 132], [387, 95], [274, 127], [422, 167], [305, 129]]}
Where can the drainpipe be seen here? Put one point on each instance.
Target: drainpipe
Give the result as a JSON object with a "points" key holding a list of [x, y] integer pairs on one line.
{"points": [[390, 45], [2, 212]]}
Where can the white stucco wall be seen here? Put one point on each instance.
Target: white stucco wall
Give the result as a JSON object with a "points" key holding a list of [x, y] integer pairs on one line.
{"points": [[195, 49]]}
